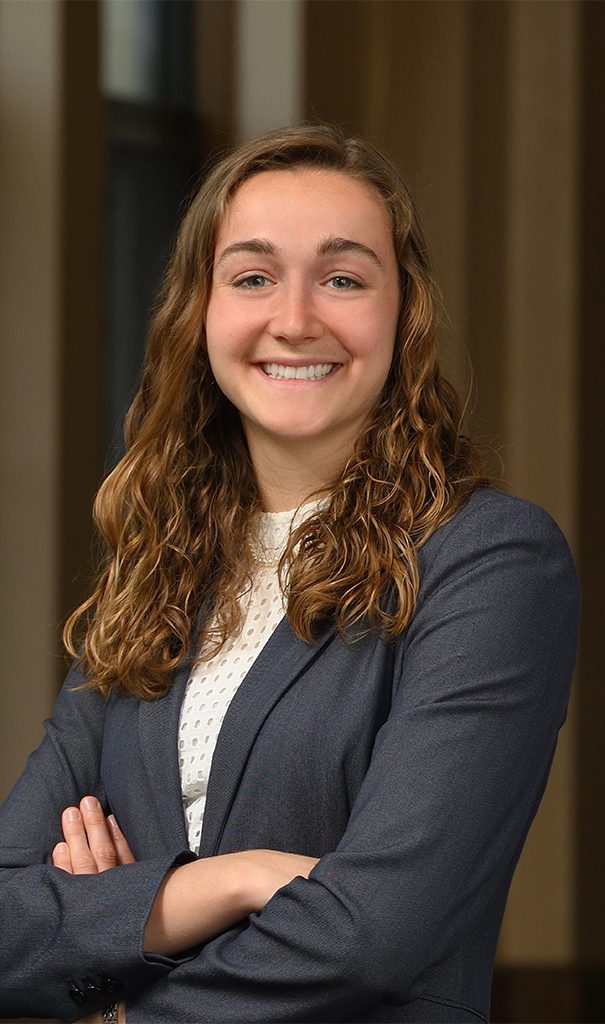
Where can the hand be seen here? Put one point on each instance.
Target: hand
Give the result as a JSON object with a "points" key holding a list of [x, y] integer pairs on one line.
{"points": [[93, 843]]}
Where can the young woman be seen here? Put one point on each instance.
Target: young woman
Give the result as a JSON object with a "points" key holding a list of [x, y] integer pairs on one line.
{"points": [[321, 676]]}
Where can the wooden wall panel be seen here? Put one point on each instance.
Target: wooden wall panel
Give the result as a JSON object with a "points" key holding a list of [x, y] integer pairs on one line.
{"points": [[479, 103]]}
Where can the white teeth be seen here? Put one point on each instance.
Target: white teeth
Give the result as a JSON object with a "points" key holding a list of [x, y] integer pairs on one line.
{"points": [[279, 372]]}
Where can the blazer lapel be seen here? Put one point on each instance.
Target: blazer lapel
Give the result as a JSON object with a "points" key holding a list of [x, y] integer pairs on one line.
{"points": [[158, 737], [278, 665]]}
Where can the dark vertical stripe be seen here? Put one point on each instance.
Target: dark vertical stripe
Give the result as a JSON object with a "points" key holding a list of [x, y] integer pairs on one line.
{"points": [[591, 505], [81, 314]]}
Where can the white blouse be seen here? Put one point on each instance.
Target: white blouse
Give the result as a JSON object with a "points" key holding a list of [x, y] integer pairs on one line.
{"points": [[213, 684]]}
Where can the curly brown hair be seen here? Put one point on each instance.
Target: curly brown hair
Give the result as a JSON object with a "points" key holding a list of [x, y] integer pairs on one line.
{"points": [[176, 513]]}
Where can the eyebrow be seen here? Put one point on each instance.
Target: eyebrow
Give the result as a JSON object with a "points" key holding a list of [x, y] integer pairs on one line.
{"points": [[337, 246], [334, 245], [260, 246]]}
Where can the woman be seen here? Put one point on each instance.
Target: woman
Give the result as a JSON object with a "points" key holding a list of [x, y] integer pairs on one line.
{"points": [[378, 753]]}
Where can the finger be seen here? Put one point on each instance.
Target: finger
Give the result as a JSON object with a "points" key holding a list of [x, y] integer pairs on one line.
{"points": [[125, 855], [82, 860], [100, 841], [61, 858]]}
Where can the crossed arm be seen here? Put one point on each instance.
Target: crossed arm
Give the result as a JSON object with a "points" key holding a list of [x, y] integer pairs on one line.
{"points": [[196, 901]]}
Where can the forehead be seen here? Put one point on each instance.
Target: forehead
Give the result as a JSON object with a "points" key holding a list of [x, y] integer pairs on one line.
{"points": [[312, 199]]}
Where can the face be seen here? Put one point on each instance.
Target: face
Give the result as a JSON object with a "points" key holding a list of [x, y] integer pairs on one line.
{"points": [[303, 309]]}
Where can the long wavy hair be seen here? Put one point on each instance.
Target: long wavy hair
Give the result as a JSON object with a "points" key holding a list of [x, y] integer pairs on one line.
{"points": [[177, 513]]}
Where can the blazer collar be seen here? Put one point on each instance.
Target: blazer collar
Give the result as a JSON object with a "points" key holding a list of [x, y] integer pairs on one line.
{"points": [[281, 661]]}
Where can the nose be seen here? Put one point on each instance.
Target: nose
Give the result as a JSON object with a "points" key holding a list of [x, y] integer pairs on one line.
{"points": [[295, 318]]}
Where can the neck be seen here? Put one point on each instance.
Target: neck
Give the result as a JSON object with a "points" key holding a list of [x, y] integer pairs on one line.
{"points": [[289, 476]]}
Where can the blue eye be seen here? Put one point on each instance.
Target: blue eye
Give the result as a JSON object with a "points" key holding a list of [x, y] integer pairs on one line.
{"points": [[342, 283], [252, 281]]}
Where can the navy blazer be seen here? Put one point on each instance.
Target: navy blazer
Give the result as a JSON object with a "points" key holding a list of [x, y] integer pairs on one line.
{"points": [[412, 770]]}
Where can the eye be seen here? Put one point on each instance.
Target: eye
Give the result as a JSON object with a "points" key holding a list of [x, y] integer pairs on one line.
{"points": [[342, 283], [252, 281]]}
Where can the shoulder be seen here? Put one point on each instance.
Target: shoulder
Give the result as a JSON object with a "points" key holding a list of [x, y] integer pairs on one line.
{"points": [[502, 542], [498, 601], [490, 519]]}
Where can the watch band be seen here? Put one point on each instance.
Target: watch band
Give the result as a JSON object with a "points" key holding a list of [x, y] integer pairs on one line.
{"points": [[110, 1014]]}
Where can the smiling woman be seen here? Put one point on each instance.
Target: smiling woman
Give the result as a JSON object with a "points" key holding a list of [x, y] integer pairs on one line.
{"points": [[317, 687]]}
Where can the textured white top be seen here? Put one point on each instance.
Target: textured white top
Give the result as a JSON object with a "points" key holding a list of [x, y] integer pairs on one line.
{"points": [[213, 684]]}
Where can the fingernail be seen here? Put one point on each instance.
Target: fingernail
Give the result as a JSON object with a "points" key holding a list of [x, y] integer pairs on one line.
{"points": [[90, 803], [72, 814], [112, 821]]}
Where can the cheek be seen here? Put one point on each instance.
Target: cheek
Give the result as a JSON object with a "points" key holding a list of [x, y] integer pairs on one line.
{"points": [[228, 331], [217, 348], [218, 336], [373, 337], [381, 355]]}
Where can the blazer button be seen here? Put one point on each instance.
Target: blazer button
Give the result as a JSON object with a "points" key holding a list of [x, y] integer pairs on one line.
{"points": [[76, 993], [109, 985], [90, 987]]}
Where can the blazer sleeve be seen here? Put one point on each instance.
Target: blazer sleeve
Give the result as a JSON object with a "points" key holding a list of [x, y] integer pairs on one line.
{"points": [[456, 775], [69, 944]]}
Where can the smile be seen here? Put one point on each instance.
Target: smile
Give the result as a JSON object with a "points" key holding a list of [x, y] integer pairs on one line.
{"points": [[314, 372]]}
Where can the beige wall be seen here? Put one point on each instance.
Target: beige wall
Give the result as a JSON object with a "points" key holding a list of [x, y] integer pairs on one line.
{"points": [[51, 323], [540, 428], [29, 378]]}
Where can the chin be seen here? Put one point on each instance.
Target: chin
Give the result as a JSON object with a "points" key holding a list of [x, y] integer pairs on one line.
{"points": [[295, 432]]}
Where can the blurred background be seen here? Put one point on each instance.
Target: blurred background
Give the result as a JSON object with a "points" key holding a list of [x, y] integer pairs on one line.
{"points": [[495, 112]]}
